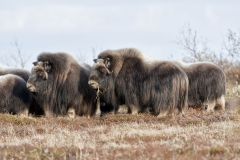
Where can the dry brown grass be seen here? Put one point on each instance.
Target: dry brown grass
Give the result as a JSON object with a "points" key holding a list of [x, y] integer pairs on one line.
{"points": [[197, 135]]}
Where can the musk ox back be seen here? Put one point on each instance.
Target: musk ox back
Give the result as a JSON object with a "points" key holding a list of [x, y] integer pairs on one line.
{"points": [[61, 85], [15, 98], [19, 72], [124, 77], [206, 85]]}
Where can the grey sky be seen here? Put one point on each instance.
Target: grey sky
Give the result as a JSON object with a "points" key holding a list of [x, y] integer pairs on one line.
{"points": [[77, 26]]}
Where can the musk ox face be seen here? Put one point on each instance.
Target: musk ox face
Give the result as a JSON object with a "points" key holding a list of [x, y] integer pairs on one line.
{"points": [[104, 61], [99, 74], [39, 75]]}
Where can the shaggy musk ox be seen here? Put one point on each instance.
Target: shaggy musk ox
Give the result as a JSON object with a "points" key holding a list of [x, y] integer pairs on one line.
{"points": [[14, 96], [123, 77], [206, 86], [61, 85], [34, 108]]}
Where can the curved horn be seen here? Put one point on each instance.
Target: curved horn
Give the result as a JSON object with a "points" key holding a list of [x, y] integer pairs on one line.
{"points": [[47, 66], [35, 63], [107, 62], [99, 60], [38, 63], [46, 75], [108, 71]]}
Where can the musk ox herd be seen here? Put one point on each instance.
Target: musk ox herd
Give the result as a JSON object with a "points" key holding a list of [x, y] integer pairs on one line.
{"points": [[58, 85]]}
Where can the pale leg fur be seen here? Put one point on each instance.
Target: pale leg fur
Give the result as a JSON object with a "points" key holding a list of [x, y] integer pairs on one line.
{"points": [[24, 113], [162, 114], [71, 113], [210, 106], [98, 110], [134, 109], [221, 102], [48, 113]]}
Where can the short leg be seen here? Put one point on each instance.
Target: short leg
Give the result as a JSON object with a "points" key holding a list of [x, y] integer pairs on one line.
{"points": [[71, 113], [48, 113], [134, 109], [210, 106], [116, 108], [162, 114], [221, 102], [98, 110], [24, 113]]}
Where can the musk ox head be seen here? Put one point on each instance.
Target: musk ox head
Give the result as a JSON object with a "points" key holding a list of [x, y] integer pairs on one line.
{"points": [[99, 75], [39, 75], [114, 59]]}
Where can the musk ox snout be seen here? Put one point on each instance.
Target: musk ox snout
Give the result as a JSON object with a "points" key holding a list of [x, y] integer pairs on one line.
{"points": [[93, 84], [31, 87]]}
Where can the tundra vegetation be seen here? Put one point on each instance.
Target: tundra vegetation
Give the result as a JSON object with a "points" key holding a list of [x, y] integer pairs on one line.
{"points": [[197, 135]]}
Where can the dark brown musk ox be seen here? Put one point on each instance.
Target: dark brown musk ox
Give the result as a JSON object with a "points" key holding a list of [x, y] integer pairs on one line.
{"points": [[34, 108], [124, 77], [61, 85], [206, 85], [14, 96]]}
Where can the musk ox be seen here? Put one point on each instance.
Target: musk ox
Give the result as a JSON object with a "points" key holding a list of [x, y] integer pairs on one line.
{"points": [[34, 109], [61, 85], [15, 98], [206, 85], [124, 77], [24, 74]]}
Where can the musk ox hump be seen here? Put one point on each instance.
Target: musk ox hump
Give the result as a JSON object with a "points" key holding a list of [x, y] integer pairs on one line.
{"points": [[19, 72], [56, 62]]}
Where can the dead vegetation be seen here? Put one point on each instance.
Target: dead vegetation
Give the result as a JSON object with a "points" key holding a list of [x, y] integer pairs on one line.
{"points": [[197, 135]]}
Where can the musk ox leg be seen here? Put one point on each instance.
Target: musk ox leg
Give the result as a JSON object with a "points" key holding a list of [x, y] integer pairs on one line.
{"points": [[209, 106], [71, 113], [181, 113], [133, 109], [129, 110], [24, 113], [162, 114], [98, 112], [48, 113], [116, 109], [123, 109], [220, 103]]}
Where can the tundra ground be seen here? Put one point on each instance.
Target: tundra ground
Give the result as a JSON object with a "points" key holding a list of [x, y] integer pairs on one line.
{"points": [[197, 135]]}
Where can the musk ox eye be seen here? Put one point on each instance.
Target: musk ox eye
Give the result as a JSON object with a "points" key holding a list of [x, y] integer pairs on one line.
{"points": [[43, 75], [37, 70], [47, 66], [102, 70], [39, 73], [107, 62]]}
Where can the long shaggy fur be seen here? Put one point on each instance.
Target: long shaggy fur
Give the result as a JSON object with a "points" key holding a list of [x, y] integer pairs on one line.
{"points": [[35, 109], [206, 85], [160, 87], [66, 86], [14, 96]]}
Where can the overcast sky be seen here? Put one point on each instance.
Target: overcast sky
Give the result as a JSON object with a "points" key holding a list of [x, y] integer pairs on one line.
{"points": [[77, 26]]}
